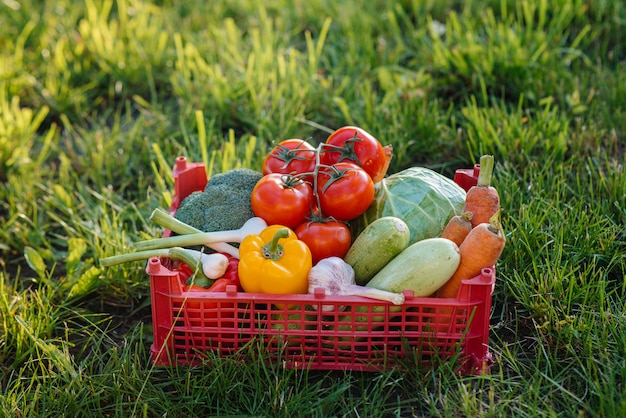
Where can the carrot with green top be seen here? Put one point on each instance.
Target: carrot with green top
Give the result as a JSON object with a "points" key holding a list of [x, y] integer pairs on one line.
{"points": [[458, 227], [481, 248], [483, 199]]}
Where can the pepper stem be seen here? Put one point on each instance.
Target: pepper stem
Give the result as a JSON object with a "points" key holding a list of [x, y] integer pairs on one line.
{"points": [[273, 250]]}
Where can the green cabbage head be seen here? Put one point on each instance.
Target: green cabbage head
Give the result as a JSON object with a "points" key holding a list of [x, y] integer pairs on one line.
{"points": [[421, 197]]}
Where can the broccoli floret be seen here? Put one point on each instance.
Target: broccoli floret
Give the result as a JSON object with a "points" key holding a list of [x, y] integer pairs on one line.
{"points": [[238, 179], [224, 204]]}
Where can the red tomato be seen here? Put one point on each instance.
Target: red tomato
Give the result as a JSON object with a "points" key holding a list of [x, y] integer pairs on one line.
{"points": [[291, 156], [345, 191], [282, 199], [358, 146], [325, 239]]}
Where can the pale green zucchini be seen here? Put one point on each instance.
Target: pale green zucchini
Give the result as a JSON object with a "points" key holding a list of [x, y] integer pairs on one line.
{"points": [[423, 267]]}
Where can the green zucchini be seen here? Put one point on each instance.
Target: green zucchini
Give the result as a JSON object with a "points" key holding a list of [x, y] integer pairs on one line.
{"points": [[376, 246], [423, 267]]}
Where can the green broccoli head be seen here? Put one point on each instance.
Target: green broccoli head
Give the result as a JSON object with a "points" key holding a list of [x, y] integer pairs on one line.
{"points": [[224, 204], [237, 179]]}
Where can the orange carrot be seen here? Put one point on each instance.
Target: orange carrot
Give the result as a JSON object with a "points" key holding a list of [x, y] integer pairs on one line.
{"points": [[458, 227], [481, 248], [483, 199]]}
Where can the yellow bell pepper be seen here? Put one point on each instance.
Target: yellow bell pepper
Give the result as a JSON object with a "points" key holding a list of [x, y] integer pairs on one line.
{"points": [[274, 261]]}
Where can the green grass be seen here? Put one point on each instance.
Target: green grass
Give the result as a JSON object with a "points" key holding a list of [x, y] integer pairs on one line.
{"points": [[97, 99]]}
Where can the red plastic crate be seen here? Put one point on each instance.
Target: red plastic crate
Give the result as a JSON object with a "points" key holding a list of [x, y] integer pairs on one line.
{"points": [[467, 177], [351, 333]]}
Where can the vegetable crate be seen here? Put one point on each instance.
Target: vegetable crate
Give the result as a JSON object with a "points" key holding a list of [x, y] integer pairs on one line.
{"points": [[315, 331]]}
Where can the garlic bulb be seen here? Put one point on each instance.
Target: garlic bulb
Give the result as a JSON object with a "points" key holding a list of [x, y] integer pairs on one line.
{"points": [[336, 277]]}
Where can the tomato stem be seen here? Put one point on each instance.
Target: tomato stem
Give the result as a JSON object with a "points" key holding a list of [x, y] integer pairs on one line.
{"points": [[335, 174], [347, 151], [318, 151], [287, 155], [291, 180]]}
